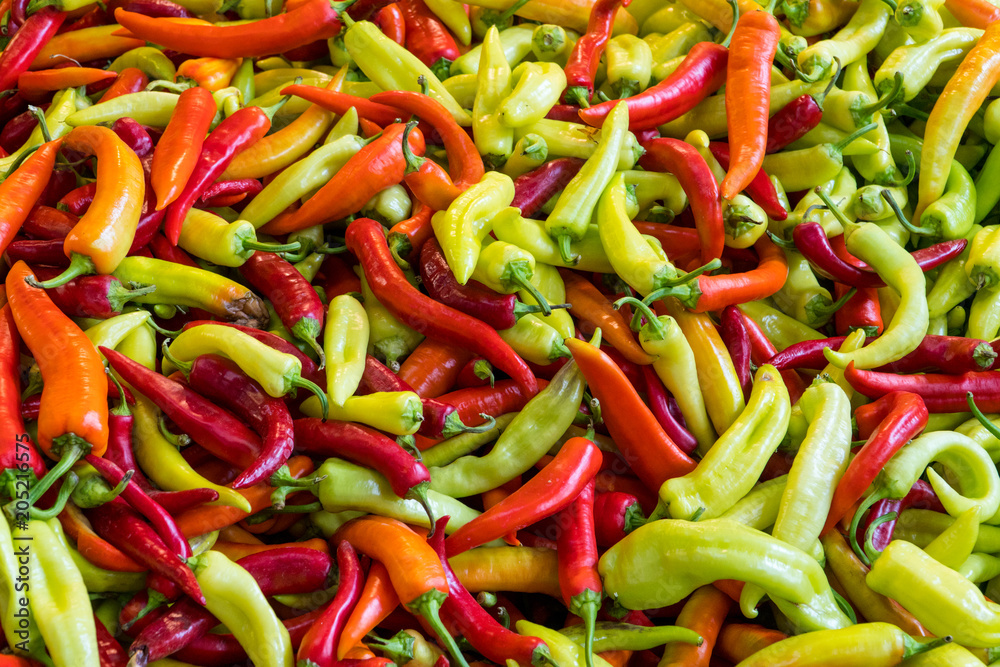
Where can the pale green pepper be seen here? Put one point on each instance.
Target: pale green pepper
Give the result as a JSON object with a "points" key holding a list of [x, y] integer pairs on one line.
{"points": [[536, 89], [345, 344], [494, 140], [630, 65]]}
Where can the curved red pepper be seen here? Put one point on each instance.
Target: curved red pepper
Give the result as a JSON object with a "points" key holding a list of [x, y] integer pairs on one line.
{"points": [[941, 393], [760, 188], [389, 20], [792, 122], [950, 354], [533, 189], [862, 311], [579, 582], [616, 514], [581, 67], [426, 36], [737, 341], [319, 646], [26, 43], [17, 452]]}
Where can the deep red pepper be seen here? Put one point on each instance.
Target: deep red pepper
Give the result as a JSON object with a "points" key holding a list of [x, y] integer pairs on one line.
{"points": [[533, 189], [130, 80], [579, 581], [737, 341], [89, 296], [163, 8], [792, 122], [461, 612], [294, 299], [862, 311], [616, 514], [941, 393], [760, 189], [581, 67], [701, 73], [77, 201], [162, 249], [554, 488], [134, 135], [366, 240], [215, 429], [120, 525], [477, 372], [319, 646], [236, 133], [878, 536], [905, 416], [389, 20], [221, 380], [339, 103], [60, 182], [26, 43], [762, 350], [46, 222], [696, 178], [503, 397], [566, 112], [17, 452], [230, 193], [364, 9], [426, 36], [11, 106], [949, 354], [110, 651], [16, 132]]}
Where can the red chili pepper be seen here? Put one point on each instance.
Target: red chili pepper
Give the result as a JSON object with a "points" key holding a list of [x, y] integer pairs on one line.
{"points": [[503, 397], [390, 21], [312, 20], [477, 372], [696, 178], [162, 249], [878, 535], [762, 350], [215, 429], [646, 448], [949, 354], [760, 188], [701, 73], [365, 239], [219, 649], [134, 135], [748, 91], [20, 190], [164, 8], [906, 416], [222, 380], [792, 122], [46, 222], [616, 514], [362, 10], [339, 103], [229, 193], [426, 36], [237, 132], [26, 43], [551, 490], [581, 67], [862, 311], [16, 132], [116, 522], [17, 452], [319, 646], [533, 189], [579, 581], [111, 652], [90, 296], [660, 405], [375, 167], [737, 340], [427, 180], [294, 299], [130, 80], [941, 393]]}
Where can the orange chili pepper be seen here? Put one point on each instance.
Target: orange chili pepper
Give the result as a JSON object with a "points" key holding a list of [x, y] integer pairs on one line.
{"points": [[414, 568], [427, 180], [748, 89], [73, 418], [589, 305], [92, 546], [973, 13], [378, 600], [21, 189], [84, 45], [178, 149], [237, 535], [33, 86], [432, 369], [738, 641], [704, 612], [130, 80], [514, 569], [498, 495], [210, 73], [406, 237]]}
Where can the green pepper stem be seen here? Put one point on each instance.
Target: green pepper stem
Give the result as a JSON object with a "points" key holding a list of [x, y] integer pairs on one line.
{"points": [[887, 98], [69, 484], [892, 4], [780, 242], [178, 441], [579, 95], [510, 11], [119, 295], [585, 605], [517, 274], [868, 546], [914, 646], [98, 492], [832, 207], [307, 330], [122, 409], [732, 28], [453, 425], [978, 414], [419, 493], [184, 366], [634, 518], [911, 171], [563, 241], [35, 382], [272, 110], [79, 265], [483, 370], [253, 244], [688, 277], [819, 312], [284, 484], [856, 134], [398, 648], [413, 162], [299, 381], [652, 321], [400, 245], [910, 227], [521, 309], [856, 521], [40, 116], [169, 333], [428, 605]]}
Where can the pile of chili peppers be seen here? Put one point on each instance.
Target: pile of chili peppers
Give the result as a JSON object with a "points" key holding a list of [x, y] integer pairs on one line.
{"points": [[548, 332]]}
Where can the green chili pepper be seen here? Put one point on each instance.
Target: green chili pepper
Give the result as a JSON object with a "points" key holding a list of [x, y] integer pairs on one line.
{"points": [[462, 228], [674, 44], [652, 186], [243, 80], [744, 222], [516, 45], [565, 139], [900, 271], [976, 431], [802, 297], [967, 155], [345, 486], [275, 79], [564, 650], [463, 88], [535, 340], [987, 185], [397, 412], [392, 67], [529, 152], [110, 332], [277, 372], [809, 167], [952, 215], [852, 42], [919, 19], [389, 206], [234, 597], [63, 105], [952, 285], [825, 133], [759, 508], [389, 338], [209, 237], [457, 446], [779, 328], [58, 598], [868, 203], [536, 89], [628, 637], [494, 140], [552, 43], [978, 568], [508, 225], [146, 107], [345, 343], [528, 437], [945, 602], [16, 616], [662, 562], [569, 220], [506, 268], [666, 19], [957, 542], [547, 282], [150, 60], [630, 65], [917, 63], [733, 464]]}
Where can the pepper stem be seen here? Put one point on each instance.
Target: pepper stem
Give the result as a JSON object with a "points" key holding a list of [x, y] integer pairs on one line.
{"points": [[510, 11], [732, 29], [283, 483], [308, 329], [911, 171], [184, 366], [96, 491], [913, 646], [652, 321], [413, 162], [19, 161], [418, 492], [172, 86], [70, 448], [79, 265], [400, 245], [272, 110], [254, 244], [428, 605], [398, 648], [886, 99], [585, 605], [910, 227], [634, 518], [453, 425], [819, 312], [483, 370], [978, 414], [868, 545], [852, 534], [122, 409], [521, 308], [517, 273], [69, 485], [178, 441], [299, 381], [40, 116], [688, 277], [563, 240], [856, 134], [780, 242], [833, 208], [578, 94], [119, 295]]}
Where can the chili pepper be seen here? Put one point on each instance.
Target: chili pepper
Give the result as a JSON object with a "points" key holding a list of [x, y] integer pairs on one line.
{"points": [[83, 45], [390, 338], [34, 86], [827, 159], [581, 68], [319, 644], [377, 165], [667, 414], [934, 352], [428, 39], [792, 122], [716, 549], [703, 613], [432, 368], [760, 188], [854, 40], [565, 138], [389, 20], [536, 88], [529, 153], [346, 341], [428, 182], [533, 189], [22, 50], [18, 451], [90, 296], [965, 92], [700, 75], [22, 188], [493, 140], [364, 238], [277, 372], [616, 514], [563, 649], [880, 522], [414, 568], [589, 305], [177, 152]]}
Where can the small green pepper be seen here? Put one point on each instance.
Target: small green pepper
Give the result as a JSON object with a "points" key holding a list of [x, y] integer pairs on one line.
{"points": [[389, 205], [630, 65], [666, 19], [506, 268], [389, 339], [852, 42], [530, 234], [779, 328], [917, 63], [151, 61], [515, 42], [535, 340], [547, 282], [675, 43]]}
